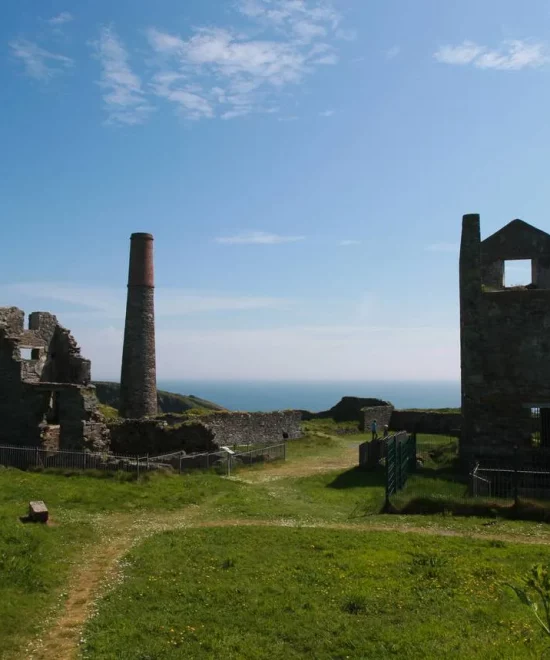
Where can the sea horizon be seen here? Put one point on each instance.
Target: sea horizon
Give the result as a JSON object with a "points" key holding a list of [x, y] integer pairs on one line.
{"points": [[265, 396]]}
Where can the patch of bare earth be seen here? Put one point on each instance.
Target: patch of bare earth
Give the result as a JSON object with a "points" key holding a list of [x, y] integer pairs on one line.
{"points": [[347, 458]]}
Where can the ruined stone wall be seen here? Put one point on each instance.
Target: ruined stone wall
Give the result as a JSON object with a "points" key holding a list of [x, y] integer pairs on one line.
{"points": [[82, 427], [155, 437], [12, 319], [425, 422], [47, 389], [209, 432], [382, 415], [240, 428], [10, 390]]}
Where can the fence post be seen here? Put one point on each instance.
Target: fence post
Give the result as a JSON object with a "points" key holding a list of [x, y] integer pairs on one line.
{"points": [[284, 451], [228, 465], [207, 460], [36, 457], [138, 467], [147, 462], [516, 476]]}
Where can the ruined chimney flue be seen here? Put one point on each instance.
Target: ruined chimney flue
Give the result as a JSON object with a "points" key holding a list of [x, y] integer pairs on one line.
{"points": [[138, 381]]}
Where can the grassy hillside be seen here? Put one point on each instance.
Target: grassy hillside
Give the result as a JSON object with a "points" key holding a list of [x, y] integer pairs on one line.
{"points": [[108, 394]]}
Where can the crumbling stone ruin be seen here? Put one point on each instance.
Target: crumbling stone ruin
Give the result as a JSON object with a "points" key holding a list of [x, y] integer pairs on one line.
{"points": [[46, 398], [505, 341], [381, 413], [168, 433]]}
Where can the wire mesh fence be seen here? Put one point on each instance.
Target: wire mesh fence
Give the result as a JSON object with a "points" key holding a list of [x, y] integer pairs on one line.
{"points": [[26, 458], [35, 458], [260, 455]]}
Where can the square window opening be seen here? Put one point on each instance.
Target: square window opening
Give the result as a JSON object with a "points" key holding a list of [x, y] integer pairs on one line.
{"points": [[517, 273], [26, 353]]}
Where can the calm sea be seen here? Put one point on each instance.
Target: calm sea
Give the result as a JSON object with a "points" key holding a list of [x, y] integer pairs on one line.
{"points": [[266, 396]]}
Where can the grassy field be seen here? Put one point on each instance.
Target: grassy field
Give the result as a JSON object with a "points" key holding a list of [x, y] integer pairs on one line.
{"points": [[35, 561], [320, 573], [313, 593]]}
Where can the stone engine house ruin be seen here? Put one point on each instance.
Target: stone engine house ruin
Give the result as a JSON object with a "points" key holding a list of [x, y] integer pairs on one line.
{"points": [[505, 341], [46, 398]]}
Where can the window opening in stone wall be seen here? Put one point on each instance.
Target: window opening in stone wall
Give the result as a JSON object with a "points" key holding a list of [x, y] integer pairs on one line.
{"points": [[285, 435], [26, 353], [545, 427], [535, 427], [517, 273], [52, 414], [35, 354]]}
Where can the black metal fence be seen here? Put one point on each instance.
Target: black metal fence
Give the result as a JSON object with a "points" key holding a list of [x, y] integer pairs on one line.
{"points": [[510, 483], [32, 458], [260, 455], [26, 458]]}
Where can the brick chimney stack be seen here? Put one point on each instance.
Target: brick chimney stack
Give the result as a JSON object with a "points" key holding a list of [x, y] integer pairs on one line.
{"points": [[138, 381]]}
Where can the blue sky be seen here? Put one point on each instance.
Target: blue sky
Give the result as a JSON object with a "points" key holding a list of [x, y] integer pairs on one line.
{"points": [[303, 165]]}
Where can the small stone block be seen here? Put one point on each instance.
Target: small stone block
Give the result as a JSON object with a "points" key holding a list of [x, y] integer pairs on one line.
{"points": [[38, 512]]}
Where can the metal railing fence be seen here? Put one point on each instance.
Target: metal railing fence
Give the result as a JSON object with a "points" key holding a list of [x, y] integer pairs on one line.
{"points": [[510, 483], [28, 458]]}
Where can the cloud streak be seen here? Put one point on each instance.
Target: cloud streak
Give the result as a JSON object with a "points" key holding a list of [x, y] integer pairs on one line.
{"points": [[105, 302], [39, 63], [229, 73], [513, 55], [258, 238], [61, 19], [123, 96]]}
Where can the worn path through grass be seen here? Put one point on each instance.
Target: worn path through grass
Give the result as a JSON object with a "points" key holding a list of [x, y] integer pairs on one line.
{"points": [[116, 533]]}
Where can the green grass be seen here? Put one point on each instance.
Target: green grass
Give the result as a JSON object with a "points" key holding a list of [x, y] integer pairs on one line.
{"points": [[311, 593], [35, 560], [108, 412]]}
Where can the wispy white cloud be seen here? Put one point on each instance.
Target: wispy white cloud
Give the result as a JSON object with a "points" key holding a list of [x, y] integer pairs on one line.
{"points": [[107, 302], [326, 113], [348, 241], [61, 19], [393, 52], [39, 63], [124, 98], [346, 34], [175, 88], [511, 56], [442, 247], [232, 73], [258, 238]]}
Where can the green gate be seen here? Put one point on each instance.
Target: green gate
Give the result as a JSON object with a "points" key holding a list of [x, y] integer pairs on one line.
{"points": [[400, 462]]}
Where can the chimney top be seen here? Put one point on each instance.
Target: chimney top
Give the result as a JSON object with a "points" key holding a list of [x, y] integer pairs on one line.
{"points": [[142, 236]]}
